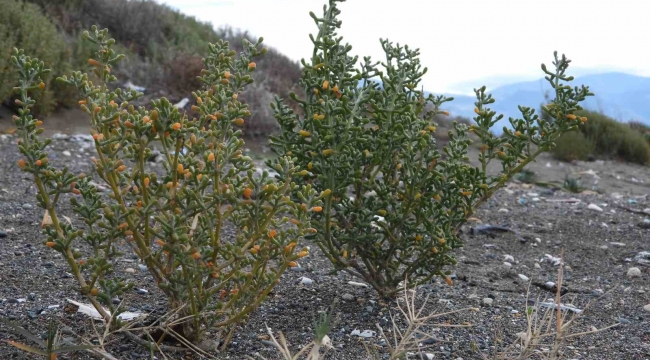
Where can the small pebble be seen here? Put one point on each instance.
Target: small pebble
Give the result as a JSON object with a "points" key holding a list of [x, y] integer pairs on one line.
{"points": [[306, 281], [488, 301], [647, 308], [634, 272], [594, 207], [142, 291], [129, 270], [66, 153], [348, 297]]}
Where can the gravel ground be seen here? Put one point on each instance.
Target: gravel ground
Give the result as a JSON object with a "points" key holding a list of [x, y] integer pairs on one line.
{"points": [[599, 248]]}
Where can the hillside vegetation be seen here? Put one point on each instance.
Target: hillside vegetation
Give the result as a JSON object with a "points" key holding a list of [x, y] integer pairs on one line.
{"points": [[164, 50], [604, 137]]}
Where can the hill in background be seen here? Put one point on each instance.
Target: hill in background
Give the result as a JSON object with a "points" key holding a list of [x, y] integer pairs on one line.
{"points": [[164, 51], [620, 96]]}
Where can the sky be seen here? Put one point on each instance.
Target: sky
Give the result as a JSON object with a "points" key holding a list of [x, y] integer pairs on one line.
{"points": [[464, 43]]}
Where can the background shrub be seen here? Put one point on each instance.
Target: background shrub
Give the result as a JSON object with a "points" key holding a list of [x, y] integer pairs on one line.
{"points": [[24, 25], [613, 139], [573, 146]]}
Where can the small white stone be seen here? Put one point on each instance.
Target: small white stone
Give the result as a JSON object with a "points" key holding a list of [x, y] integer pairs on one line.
{"points": [[549, 284], [509, 258], [619, 244], [594, 207], [488, 301], [523, 277], [66, 153], [634, 272], [537, 266], [129, 270], [503, 210], [507, 264], [538, 240], [306, 281], [647, 308]]}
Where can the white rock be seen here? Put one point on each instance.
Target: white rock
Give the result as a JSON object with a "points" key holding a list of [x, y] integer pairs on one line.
{"points": [[538, 240], [509, 258], [503, 210], [488, 301], [181, 104], [507, 264], [537, 266], [363, 334], [647, 308], [523, 277], [66, 153], [129, 270], [348, 297], [306, 281], [634, 272], [549, 284], [354, 283], [619, 244], [594, 207]]}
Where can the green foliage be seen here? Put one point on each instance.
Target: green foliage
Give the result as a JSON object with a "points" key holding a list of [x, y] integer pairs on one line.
{"points": [[613, 139], [572, 185], [23, 25], [526, 176], [174, 220], [573, 146], [50, 348], [393, 202], [642, 128]]}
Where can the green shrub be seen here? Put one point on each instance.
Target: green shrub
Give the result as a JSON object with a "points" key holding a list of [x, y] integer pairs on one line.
{"points": [[573, 146], [643, 129], [173, 220], [614, 139], [393, 204], [23, 25]]}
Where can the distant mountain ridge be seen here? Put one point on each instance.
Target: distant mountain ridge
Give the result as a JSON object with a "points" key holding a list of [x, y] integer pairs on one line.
{"points": [[621, 96]]}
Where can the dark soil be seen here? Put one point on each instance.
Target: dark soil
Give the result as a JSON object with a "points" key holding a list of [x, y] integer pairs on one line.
{"points": [[599, 248]]}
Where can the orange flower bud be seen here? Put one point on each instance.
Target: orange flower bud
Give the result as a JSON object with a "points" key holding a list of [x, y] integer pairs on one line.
{"points": [[196, 255], [211, 157], [418, 237], [97, 109], [317, 208], [226, 74], [238, 121], [81, 102], [199, 101], [327, 152], [179, 168], [310, 165], [160, 242], [326, 85], [272, 233], [199, 177], [293, 264], [94, 291], [94, 62], [449, 281], [21, 163], [41, 86], [146, 182], [304, 133], [121, 168], [446, 113], [146, 119], [252, 66], [319, 116], [302, 254], [248, 192], [570, 116], [50, 244], [129, 124], [176, 126], [39, 163]]}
